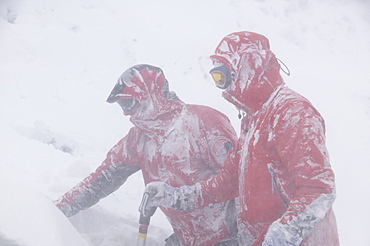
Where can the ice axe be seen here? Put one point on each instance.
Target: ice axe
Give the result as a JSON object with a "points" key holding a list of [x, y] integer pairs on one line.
{"points": [[144, 220]]}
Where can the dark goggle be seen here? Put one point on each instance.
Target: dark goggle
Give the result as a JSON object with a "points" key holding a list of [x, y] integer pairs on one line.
{"points": [[222, 76], [127, 103]]}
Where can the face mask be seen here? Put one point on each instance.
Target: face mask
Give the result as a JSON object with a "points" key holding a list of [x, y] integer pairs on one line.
{"points": [[127, 103]]}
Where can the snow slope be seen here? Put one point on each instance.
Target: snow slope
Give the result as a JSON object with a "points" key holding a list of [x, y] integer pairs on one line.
{"points": [[60, 59]]}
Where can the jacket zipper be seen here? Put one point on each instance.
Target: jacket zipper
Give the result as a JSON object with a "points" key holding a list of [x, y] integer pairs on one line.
{"points": [[275, 185]]}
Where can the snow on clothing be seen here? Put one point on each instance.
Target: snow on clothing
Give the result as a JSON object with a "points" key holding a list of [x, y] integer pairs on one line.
{"points": [[172, 142], [286, 184]]}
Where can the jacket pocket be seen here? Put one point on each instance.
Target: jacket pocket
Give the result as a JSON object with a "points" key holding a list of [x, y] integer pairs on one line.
{"points": [[274, 185]]}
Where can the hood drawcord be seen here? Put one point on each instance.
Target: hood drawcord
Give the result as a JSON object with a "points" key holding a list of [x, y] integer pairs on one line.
{"points": [[285, 69], [241, 114]]}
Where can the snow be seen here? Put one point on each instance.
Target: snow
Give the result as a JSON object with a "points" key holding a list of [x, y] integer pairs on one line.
{"points": [[30, 226], [60, 60]]}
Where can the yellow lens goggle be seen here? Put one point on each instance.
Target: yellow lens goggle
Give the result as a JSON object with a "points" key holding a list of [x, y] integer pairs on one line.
{"points": [[222, 76]]}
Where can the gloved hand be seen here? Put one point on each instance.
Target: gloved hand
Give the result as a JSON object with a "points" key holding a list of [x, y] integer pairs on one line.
{"points": [[277, 235], [158, 193]]}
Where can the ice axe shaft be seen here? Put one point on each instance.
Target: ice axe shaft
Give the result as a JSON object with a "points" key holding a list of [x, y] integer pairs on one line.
{"points": [[143, 230], [144, 221]]}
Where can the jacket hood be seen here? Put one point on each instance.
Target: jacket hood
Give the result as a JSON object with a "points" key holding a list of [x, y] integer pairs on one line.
{"points": [[256, 69], [158, 105]]}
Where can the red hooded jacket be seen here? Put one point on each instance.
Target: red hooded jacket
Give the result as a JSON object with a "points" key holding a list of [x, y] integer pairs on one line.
{"points": [[172, 142], [284, 171]]}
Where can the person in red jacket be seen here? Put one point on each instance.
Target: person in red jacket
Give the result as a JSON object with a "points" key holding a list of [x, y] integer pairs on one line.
{"points": [[286, 184], [171, 142]]}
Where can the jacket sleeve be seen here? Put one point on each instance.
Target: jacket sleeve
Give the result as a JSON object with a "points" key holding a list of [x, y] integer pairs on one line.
{"points": [[221, 142], [107, 178], [221, 187], [300, 144]]}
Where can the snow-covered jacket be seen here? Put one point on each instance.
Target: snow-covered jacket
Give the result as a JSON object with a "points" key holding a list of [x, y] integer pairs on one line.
{"points": [[285, 179], [173, 142]]}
